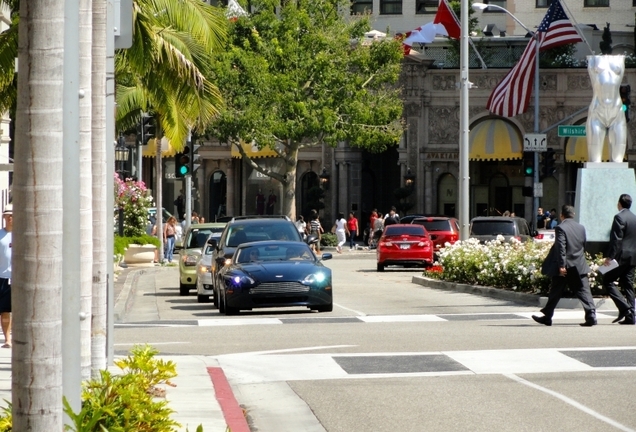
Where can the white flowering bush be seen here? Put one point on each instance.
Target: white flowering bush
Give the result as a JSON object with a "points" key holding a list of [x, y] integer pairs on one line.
{"points": [[510, 265]]}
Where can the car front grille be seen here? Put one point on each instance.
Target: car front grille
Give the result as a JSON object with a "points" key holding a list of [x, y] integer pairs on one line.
{"points": [[279, 288]]}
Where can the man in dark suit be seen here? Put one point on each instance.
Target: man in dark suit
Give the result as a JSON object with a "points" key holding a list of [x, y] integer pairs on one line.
{"points": [[567, 266], [622, 248]]}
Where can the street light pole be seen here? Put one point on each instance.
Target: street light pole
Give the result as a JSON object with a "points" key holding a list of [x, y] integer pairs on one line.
{"points": [[464, 177], [535, 36]]}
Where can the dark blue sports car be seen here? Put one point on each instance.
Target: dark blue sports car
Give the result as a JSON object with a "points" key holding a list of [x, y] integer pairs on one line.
{"points": [[275, 274]]}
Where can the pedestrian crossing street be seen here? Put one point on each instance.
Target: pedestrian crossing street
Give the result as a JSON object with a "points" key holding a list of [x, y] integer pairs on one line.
{"points": [[369, 319], [252, 368]]}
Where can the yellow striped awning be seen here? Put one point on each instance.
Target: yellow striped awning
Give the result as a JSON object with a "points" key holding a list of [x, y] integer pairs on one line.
{"points": [[150, 149], [495, 139], [576, 150], [252, 151]]}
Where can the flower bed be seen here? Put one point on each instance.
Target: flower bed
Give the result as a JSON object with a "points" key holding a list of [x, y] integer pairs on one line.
{"points": [[515, 266]]}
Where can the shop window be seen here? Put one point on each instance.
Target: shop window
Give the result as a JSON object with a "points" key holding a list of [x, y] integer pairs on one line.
{"points": [[544, 3], [596, 3], [361, 7], [390, 7], [427, 6]]}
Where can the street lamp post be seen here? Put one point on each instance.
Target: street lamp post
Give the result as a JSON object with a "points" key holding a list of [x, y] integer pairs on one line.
{"points": [[464, 174], [535, 36]]}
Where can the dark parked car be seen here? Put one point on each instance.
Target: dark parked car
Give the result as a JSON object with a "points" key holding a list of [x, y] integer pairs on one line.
{"points": [[487, 228], [441, 229], [275, 274], [404, 245], [244, 230]]}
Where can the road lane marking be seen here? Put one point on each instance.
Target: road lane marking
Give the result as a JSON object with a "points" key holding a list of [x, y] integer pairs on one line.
{"points": [[572, 402], [238, 321], [350, 310], [151, 343], [401, 318]]}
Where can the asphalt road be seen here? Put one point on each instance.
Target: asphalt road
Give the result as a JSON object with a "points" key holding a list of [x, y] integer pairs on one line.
{"points": [[396, 356]]}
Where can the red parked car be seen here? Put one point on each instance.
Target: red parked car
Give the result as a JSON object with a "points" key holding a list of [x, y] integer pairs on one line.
{"points": [[442, 229], [404, 245]]}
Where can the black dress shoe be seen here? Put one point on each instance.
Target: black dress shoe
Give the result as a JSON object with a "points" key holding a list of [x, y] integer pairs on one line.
{"points": [[621, 315], [629, 318], [588, 323], [542, 320]]}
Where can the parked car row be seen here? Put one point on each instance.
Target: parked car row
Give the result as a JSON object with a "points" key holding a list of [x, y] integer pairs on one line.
{"points": [[255, 262], [403, 245]]}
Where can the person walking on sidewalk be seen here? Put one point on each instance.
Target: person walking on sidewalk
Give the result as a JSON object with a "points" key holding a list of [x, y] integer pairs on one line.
{"points": [[566, 265], [315, 229], [5, 275], [622, 248], [169, 232], [352, 226], [341, 231]]}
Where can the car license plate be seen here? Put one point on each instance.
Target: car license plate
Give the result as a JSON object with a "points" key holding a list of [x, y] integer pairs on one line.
{"points": [[405, 246]]}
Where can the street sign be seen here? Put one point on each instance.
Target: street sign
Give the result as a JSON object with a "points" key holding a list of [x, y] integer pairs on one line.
{"points": [[572, 131], [538, 190], [535, 142]]}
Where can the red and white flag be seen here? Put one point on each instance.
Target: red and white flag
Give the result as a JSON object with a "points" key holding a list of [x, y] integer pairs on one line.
{"points": [[445, 23], [446, 17], [512, 94]]}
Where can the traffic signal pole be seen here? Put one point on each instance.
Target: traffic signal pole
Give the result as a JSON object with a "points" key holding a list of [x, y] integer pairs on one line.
{"points": [[535, 200]]}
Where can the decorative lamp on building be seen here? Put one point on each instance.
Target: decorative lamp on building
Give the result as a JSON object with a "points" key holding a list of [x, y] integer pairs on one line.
{"points": [[324, 179], [409, 178]]}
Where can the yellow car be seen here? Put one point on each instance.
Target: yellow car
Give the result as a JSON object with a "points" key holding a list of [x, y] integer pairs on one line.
{"points": [[193, 242]]}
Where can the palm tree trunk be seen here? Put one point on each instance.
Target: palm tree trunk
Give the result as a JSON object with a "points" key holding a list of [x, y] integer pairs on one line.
{"points": [[86, 187], [100, 212], [37, 244]]}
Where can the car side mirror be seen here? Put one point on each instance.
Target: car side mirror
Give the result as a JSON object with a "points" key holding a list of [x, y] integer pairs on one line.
{"points": [[212, 242], [325, 256]]}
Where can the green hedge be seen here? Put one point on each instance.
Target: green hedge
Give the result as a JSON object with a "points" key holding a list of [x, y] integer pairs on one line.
{"points": [[121, 243], [328, 239]]}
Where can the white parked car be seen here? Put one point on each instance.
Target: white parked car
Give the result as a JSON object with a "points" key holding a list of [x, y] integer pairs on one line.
{"points": [[204, 271]]}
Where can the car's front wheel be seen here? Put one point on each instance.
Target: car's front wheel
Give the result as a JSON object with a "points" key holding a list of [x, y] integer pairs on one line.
{"points": [[203, 298], [184, 290]]}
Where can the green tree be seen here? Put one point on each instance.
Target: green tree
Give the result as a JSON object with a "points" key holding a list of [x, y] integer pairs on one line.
{"points": [[294, 75]]}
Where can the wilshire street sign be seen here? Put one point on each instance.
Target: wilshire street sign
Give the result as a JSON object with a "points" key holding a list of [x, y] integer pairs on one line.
{"points": [[572, 131]]}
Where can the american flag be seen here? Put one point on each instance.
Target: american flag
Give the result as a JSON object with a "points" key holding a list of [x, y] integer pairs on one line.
{"points": [[512, 94]]}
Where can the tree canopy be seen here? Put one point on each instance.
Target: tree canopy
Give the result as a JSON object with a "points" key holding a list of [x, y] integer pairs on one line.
{"points": [[296, 74]]}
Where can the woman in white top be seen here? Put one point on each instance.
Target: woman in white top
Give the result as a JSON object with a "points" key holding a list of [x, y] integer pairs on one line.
{"points": [[341, 231]]}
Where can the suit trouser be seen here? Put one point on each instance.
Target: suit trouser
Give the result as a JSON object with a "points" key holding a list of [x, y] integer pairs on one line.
{"points": [[625, 276], [582, 292]]}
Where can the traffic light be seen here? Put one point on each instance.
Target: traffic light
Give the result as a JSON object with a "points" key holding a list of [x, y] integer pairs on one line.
{"points": [[194, 157], [528, 164], [182, 163], [147, 127], [625, 90], [547, 168]]}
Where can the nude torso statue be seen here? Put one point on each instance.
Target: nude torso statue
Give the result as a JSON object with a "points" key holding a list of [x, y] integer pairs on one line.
{"points": [[605, 114]]}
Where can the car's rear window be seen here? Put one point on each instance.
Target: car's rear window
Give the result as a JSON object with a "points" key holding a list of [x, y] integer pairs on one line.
{"points": [[433, 225], [416, 230], [485, 227], [198, 236]]}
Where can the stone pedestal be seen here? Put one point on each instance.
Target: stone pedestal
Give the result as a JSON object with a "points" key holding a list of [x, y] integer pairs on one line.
{"points": [[140, 255], [598, 187]]}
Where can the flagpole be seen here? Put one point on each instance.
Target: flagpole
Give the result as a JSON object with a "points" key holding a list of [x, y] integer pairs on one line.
{"points": [[464, 179], [576, 26]]}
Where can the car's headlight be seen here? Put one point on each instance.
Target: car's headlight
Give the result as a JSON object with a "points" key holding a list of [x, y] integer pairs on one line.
{"points": [[315, 278], [242, 280], [204, 268], [190, 260]]}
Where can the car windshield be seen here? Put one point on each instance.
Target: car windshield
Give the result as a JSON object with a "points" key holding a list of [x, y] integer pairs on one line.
{"points": [[433, 225], [238, 234], [414, 230], [198, 236], [485, 227], [268, 253]]}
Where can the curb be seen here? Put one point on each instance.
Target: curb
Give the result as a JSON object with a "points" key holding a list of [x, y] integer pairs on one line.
{"points": [[122, 303], [530, 299], [602, 303]]}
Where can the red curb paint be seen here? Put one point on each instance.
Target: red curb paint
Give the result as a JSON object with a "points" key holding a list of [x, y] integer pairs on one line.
{"points": [[232, 412]]}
